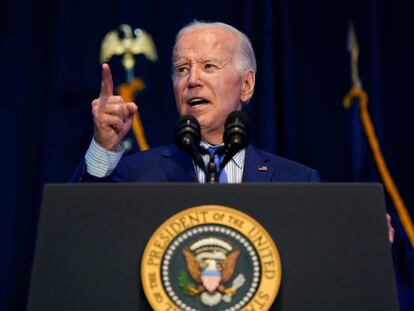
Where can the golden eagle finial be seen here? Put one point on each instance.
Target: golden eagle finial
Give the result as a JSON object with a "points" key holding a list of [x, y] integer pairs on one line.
{"points": [[132, 43]]}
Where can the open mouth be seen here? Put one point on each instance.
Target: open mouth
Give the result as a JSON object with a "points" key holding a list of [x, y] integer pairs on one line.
{"points": [[197, 101]]}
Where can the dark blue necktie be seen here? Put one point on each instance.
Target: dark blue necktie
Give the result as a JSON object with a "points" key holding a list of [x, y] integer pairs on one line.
{"points": [[217, 161]]}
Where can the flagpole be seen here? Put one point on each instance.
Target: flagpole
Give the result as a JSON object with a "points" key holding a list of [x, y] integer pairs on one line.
{"points": [[358, 92], [128, 92], [390, 186]]}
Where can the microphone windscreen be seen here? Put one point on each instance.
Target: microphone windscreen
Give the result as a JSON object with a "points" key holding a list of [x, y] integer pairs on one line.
{"points": [[237, 130], [239, 117], [187, 132]]}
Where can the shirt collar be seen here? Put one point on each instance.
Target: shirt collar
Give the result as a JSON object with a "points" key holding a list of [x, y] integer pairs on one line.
{"points": [[238, 158]]}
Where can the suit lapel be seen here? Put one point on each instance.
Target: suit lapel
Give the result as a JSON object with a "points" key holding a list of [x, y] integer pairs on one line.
{"points": [[256, 166], [177, 165]]}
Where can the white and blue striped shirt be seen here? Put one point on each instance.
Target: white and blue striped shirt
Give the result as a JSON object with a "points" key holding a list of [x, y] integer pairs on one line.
{"points": [[233, 169], [101, 162]]}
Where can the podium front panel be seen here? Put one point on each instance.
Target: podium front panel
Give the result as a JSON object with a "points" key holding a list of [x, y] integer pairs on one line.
{"points": [[332, 240]]}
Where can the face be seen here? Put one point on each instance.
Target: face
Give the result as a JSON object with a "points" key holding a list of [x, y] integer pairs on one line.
{"points": [[207, 82]]}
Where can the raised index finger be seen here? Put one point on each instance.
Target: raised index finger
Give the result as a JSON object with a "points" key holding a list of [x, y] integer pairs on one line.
{"points": [[107, 85]]}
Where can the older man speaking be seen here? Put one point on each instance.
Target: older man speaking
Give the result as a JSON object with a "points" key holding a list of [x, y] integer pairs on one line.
{"points": [[214, 70]]}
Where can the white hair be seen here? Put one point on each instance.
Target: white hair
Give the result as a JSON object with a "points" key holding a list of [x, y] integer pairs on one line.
{"points": [[245, 58]]}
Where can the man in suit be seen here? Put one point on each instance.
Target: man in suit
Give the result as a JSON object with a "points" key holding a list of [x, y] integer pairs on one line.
{"points": [[214, 71]]}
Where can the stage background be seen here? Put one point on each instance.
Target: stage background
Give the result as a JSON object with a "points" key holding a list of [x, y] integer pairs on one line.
{"points": [[50, 72]]}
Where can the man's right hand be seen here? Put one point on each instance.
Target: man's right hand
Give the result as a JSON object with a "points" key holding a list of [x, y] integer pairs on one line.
{"points": [[112, 116]]}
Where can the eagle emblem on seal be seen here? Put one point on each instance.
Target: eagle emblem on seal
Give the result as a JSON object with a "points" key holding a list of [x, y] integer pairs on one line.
{"points": [[211, 264]]}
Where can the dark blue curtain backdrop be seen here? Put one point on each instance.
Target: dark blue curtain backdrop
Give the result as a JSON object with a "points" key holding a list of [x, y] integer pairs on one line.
{"points": [[50, 72]]}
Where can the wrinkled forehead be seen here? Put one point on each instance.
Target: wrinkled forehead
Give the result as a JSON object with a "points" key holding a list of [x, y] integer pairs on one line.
{"points": [[200, 43]]}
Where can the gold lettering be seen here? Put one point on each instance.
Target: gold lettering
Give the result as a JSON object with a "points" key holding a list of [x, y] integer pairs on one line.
{"points": [[260, 304], [250, 233], [153, 258], [183, 223], [263, 296], [176, 227], [195, 219], [158, 297], [236, 221], [264, 254], [269, 269], [152, 280], [169, 233], [171, 307], [260, 241], [204, 213], [187, 221], [258, 301], [218, 216], [158, 244], [165, 239]]}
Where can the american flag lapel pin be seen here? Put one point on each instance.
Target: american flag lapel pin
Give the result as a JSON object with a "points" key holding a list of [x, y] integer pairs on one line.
{"points": [[262, 168]]}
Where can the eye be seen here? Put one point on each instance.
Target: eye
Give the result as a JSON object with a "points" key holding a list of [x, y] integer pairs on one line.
{"points": [[181, 70], [209, 67]]}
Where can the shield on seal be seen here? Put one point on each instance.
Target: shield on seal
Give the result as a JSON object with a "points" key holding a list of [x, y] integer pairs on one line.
{"points": [[211, 280]]}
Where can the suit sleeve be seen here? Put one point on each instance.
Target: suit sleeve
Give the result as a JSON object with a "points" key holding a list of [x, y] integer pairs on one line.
{"points": [[314, 176], [120, 174]]}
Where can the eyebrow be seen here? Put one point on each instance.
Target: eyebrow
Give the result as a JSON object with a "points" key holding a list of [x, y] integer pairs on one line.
{"points": [[184, 60], [213, 60]]}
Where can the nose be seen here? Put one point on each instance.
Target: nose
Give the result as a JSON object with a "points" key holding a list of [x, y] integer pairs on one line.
{"points": [[194, 77]]}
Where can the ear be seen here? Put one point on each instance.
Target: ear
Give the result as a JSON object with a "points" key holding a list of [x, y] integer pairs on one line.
{"points": [[248, 86]]}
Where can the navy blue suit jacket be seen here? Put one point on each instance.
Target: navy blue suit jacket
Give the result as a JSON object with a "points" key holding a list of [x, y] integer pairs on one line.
{"points": [[169, 164]]}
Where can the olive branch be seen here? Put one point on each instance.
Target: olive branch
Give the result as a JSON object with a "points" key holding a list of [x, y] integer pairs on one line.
{"points": [[187, 287]]}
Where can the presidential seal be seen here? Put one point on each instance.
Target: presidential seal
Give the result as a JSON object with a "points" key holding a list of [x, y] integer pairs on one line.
{"points": [[210, 258]]}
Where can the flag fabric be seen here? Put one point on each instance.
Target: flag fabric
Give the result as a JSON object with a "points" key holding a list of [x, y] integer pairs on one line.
{"points": [[365, 151]]}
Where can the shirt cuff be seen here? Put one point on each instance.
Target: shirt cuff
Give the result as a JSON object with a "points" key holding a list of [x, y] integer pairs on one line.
{"points": [[101, 162]]}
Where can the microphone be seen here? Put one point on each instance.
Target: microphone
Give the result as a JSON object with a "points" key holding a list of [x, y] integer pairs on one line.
{"points": [[236, 135], [187, 136]]}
